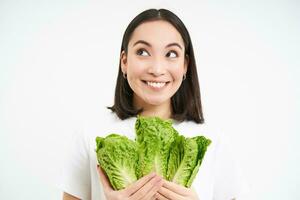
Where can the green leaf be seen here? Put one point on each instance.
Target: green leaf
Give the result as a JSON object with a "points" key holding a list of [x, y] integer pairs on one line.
{"points": [[158, 147], [155, 137], [118, 156], [185, 159]]}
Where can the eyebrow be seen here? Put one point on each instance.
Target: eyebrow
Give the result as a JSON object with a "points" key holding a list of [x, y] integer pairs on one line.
{"points": [[148, 44]]}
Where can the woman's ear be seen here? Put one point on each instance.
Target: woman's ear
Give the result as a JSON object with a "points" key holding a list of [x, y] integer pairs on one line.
{"points": [[123, 60]]}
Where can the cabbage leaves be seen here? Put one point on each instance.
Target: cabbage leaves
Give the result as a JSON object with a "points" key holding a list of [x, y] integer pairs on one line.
{"points": [[158, 147]]}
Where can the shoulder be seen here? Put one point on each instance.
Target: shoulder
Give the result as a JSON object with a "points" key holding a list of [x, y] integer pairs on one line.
{"points": [[107, 122], [191, 129]]}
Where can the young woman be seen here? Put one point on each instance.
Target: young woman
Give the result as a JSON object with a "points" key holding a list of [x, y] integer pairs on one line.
{"points": [[157, 77]]}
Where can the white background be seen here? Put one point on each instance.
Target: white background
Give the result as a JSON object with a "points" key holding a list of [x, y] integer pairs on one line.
{"points": [[58, 67]]}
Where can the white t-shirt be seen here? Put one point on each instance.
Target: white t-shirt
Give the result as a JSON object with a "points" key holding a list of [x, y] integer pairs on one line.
{"points": [[219, 177]]}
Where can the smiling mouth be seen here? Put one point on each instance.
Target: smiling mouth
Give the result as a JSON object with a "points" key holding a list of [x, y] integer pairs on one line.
{"points": [[156, 84]]}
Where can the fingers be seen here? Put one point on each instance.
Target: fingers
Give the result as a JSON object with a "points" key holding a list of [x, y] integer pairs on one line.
{"points": [[160, 197], [103, 178], [144, 190], [138, 184], [153, 198], [179, 189], [168, 194], [151, 194]]}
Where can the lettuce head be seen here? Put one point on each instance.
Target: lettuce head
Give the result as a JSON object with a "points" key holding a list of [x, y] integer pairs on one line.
{"points": [[186, 155], [118, 156], [158, 147], [155, 137]]}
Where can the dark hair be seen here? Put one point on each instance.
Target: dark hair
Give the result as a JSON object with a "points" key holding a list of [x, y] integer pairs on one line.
{"points": [[186, 102]]}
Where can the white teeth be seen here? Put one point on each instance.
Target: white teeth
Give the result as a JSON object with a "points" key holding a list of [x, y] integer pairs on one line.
{"points": [[156, 84]]}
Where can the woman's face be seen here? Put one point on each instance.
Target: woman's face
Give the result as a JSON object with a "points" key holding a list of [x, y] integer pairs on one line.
{"points": [[155, 62]]}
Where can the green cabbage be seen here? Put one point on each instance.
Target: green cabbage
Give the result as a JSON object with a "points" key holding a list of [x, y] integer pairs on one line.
{"points": [[158, 147]]}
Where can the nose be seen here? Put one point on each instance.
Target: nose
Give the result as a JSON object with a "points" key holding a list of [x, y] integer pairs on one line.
{"points": [[157, 67]]}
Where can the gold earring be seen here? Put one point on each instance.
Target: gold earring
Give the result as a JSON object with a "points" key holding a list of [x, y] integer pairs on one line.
{"points": [[124, 75]]}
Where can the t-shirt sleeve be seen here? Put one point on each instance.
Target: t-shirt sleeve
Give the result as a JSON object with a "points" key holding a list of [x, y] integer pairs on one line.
{"points": [[76, 171], [229, 182]]}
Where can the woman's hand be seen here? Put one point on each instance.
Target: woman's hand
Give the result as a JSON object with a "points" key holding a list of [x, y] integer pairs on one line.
{"points": [[173, 191], [145, 188]]}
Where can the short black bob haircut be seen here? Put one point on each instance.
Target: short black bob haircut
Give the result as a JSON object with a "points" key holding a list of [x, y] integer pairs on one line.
{"points": [[186, 102]]}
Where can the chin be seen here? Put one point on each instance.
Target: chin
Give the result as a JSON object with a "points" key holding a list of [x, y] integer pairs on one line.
{"points": [[155, 101]]}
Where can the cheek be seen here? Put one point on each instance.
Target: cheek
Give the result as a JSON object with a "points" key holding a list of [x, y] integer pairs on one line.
{"points": [[135, 69], [177, 72]]}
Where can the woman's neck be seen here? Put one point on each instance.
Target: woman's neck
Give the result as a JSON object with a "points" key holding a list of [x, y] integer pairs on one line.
{"points": [[164, 110]]}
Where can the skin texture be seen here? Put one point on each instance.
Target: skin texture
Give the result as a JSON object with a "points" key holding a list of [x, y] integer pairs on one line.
{"points": [[148, 187], [145, 188], [162, 59]]}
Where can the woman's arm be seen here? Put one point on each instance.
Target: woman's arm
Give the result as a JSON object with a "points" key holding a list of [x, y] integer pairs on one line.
{"points": [[67, 196]]}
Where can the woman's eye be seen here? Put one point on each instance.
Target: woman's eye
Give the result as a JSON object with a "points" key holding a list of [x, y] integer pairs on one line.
{"points": [[142, 52], [172, 54]]}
